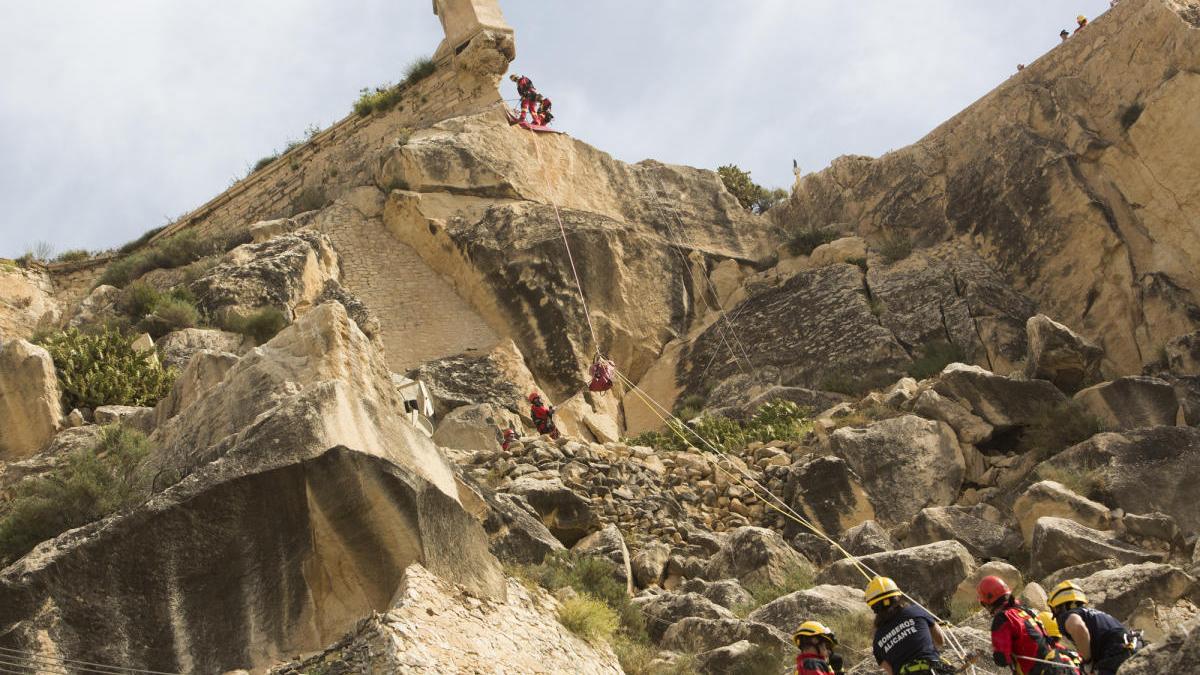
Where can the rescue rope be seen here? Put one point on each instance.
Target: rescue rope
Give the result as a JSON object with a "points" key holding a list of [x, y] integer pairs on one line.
{"points": [[566, 244], [786, 510], [21, 659]]}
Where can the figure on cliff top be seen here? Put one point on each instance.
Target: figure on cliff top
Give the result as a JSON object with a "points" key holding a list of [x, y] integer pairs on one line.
{"points": [[544, 116], [1064, 35], [1082, 21], [528, 95]]}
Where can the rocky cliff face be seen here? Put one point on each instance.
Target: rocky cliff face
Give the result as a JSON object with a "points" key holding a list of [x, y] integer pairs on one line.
{"points": [[1074, 179], [967, 360]]}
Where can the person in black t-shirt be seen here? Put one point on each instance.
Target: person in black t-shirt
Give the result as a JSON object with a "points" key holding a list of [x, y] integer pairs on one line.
{"points": [[1103, 642], [907, 638]]}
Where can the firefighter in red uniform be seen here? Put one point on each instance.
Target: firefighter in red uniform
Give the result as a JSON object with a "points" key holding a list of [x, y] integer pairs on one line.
{"points": [[528, 95], [815, 642], [543, 415], [1018, 640], [544, 115]]}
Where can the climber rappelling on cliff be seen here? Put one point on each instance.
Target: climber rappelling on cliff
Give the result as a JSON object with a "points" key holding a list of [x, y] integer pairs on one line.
{"points": [[531, 102]]}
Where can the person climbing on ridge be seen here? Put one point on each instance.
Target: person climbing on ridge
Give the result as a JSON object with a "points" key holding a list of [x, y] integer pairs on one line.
{"points": [[527, 93], [1018, 640], [1082, 21], [816, 643], [543, 415], [907, 638], [1103, 642], [1054, 637], [545, 117], [1064, 35], [507, 437], [601, 372]]}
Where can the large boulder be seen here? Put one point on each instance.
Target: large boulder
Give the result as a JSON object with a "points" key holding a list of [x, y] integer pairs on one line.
{"points": [[175, 349], [608, 543], [789, 611], [474, 427], [1143, 470], [498, 378], [436, 627], [969, 428], [650, 564], [866, 538], [1132, 403], [980, 528], [756, 555], [1058, 354], [515, 532], [204, 370], [30, 405], [727, 593], [1059, 543], [826, 492], [906, 464], [1002, 402], [96, 307], [305, 479], [664, 610], [288, 273], [1119, 591], [693, 635], [740, 657], [1049, 498], [1183, 354], [569, 516], [929, 573], [965, 596]]}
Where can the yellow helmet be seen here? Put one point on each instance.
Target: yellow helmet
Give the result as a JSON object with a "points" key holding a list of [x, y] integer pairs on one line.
{"points": [[1049, 624], [1080, 19], [814, 629], [880, 589], [1067, 591]]}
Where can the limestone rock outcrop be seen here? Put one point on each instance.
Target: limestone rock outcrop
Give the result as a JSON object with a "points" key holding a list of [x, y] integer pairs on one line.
{"points": [[1143, 470], [30, 405], [435, 627], [789, 611], [300, 480], [755, 555], [288, 273], [929, 573], [906, 464], [1058, 354], [1067, 177], [27, 301], [1048, 498], [1058, 543], [826, 492], [1002, 402], [981, 528], [1132, 403], [176, 348]]}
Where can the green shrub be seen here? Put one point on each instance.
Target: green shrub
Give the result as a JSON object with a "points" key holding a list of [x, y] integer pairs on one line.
{"points": [[262, 324], [170, 314], [140, 241], [854, 629], [263, 163], [103, 369], [1131, 115], [895, 246], [748, 193], [797, 578], [310, 199], [174, 251], [137, 300], [804, 242], [1089, 483], [857, 385], [73, 255], [934, 357], [419, 69], [89, 486], [588, 618], [773, 421], [384, 98], [690, 407]]}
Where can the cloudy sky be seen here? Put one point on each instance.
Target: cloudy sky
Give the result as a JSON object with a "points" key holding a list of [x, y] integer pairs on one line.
{"points": [[117, 116]]}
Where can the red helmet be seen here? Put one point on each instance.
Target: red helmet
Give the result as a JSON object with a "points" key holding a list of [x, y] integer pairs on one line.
{"points": [[534, 397], [992, 590]]}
